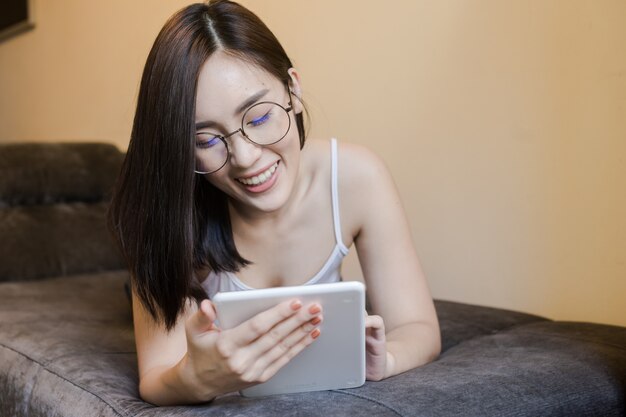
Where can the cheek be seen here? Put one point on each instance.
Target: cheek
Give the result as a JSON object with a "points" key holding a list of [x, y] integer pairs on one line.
{"points": [[217, 180], [289, 148], [292, 140]]}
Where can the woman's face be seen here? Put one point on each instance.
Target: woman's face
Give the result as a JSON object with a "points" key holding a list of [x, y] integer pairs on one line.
{"points": [[258, 178]]}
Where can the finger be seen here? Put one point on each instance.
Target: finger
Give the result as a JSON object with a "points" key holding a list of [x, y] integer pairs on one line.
{"points": [[203, 319], [284, 359], [272, 346], [208, 308], [303, 335], [374, 322], [279, 339], [286, 333], [257, 326], [375, 326], [273, 350]]}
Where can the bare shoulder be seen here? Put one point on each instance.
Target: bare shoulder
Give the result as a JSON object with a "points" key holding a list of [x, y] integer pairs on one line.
{"points": [[365, 184], [359, 164]]}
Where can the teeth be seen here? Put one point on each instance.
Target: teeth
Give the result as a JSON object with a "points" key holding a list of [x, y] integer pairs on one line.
{"points": [[261, 178]]}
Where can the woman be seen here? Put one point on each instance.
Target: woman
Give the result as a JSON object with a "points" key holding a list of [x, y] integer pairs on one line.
{"points": [[219, 193]]}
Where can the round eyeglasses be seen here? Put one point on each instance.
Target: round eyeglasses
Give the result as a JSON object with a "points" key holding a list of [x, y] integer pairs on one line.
{"points": [[263, 123]]}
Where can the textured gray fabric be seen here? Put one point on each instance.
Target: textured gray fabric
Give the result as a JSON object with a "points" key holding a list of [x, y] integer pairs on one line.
{"points": [[58, 239], [47, 173], [67, 349], [539, 369], [461, 322], [52, 209], [70, 345]]}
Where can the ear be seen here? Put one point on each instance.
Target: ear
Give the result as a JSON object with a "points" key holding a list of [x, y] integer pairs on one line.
{"points": [[296, 90]]}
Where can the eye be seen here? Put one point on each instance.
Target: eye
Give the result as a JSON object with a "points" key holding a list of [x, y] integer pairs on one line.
{"points": [[259, 120], [207, 140]]}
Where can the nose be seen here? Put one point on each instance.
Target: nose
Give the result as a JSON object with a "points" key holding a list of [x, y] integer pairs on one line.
{"points": [[243, 153]]}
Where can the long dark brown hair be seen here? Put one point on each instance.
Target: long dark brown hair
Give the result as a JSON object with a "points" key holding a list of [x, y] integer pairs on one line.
{"points": [[169, 221]]}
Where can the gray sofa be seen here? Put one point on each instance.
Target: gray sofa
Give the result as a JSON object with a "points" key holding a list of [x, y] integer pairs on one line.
{"points": [[66, 336]]}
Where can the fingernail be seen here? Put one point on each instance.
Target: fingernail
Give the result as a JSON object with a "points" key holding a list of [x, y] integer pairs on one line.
{"points": [[315, 333], [315, 308], [316, 320], [296, 304]]}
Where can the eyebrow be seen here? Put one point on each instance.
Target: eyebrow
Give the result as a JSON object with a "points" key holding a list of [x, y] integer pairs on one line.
{"points": [[249, 102]]}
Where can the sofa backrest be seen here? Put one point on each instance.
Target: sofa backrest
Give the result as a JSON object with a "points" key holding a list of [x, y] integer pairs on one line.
{"points": [[53, 202]]}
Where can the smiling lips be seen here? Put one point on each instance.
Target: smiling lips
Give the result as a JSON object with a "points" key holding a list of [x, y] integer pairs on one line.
{"points": [[261, 178]]}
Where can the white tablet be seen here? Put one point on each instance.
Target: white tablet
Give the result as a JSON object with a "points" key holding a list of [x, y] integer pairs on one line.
{"points": [[336, 359]]}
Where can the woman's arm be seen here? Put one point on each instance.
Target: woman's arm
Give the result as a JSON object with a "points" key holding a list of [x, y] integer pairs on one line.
{"points": [[396, 284], [164, 377]]}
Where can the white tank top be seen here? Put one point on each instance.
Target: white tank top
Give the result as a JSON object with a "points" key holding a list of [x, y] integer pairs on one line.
{"points": [[228, 281]]}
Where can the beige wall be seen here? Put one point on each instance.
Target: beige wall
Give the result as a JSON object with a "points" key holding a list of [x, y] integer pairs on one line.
{"points": [[504, 124]]}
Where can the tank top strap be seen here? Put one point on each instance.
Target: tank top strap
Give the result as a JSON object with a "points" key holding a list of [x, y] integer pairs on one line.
{"points": [[335, 196]]}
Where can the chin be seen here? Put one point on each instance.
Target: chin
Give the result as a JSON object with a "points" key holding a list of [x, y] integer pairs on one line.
{"points": [[267, 202], [270, 202]]}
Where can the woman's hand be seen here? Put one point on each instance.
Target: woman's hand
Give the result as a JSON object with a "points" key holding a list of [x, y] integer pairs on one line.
{"points": [[376, 356], [229, 360]]}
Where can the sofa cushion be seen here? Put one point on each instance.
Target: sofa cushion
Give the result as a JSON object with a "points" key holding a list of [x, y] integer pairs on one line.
{"points": [[459, 321], [52, 209], [67, 348], [47, 173], [52, 240], [539, 369]]}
